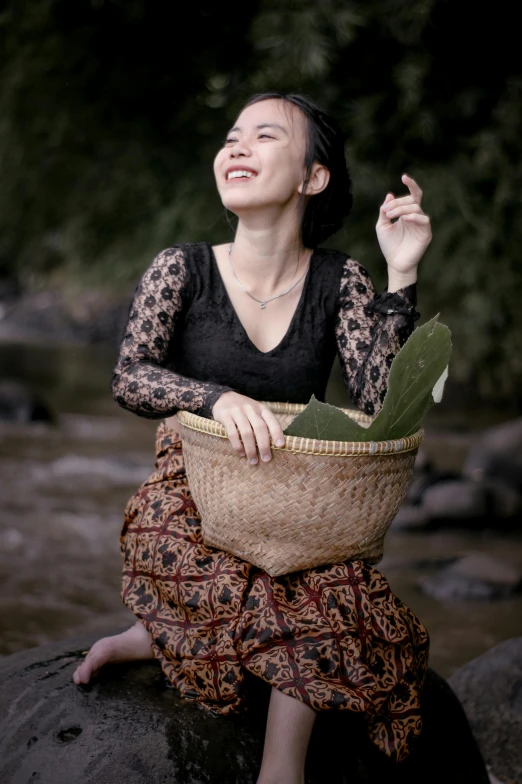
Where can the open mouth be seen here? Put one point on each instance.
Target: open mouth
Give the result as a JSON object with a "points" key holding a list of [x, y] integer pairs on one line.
{"points": [[240, 174]]}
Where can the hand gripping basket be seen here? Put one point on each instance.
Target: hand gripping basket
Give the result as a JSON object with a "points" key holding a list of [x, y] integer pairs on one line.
{"points": [[315, 502]]}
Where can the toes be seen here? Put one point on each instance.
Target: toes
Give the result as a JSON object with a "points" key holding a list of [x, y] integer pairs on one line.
{"points": [[135, 643], [85, 671], [76, 673], [81, 675]]}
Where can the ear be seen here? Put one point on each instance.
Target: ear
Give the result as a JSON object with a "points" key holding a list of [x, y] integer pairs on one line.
{"points": [[319, 179]]}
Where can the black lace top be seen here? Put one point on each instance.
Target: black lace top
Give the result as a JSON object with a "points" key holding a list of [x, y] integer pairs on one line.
{"points": [[184, 345]]}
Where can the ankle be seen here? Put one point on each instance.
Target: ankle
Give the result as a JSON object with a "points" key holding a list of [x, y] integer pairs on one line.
{"points": [[280, 780], [280, 777]]}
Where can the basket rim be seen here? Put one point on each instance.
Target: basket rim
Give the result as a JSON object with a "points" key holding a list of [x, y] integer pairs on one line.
{"points": [[300, 444]]}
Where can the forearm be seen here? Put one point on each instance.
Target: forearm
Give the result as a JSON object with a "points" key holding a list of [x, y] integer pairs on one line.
{"points": [[141, 380], [371, 329], [154, 392]]}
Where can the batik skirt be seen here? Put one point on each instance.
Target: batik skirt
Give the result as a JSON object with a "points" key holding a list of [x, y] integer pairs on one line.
{"points": [[334, 637]]}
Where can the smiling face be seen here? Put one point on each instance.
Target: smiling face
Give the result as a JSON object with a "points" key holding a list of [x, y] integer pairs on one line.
{"points": [[262, 163]]}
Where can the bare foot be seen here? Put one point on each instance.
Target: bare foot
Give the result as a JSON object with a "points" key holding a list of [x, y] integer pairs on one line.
{"points": [[134, 644]]}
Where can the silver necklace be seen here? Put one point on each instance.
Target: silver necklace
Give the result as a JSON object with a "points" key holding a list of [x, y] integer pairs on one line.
{"points": [[262, 302]]}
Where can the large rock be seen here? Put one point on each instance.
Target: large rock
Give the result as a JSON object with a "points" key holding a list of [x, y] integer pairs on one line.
{"points": [[91, 316], [490, 689], [422, 480], [19, 404], [130, 726], [497, 454], [455, 500], [487, 494], [410, 518], [463, 502], [474, 576]]}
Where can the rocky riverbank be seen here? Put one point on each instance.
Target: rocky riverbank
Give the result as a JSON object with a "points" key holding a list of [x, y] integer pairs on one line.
{"points": [[490, 690], [130, 725], [484, 493], [88, 317]]}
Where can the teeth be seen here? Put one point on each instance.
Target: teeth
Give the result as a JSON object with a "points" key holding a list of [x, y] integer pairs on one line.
{"points": [[239, 173]]}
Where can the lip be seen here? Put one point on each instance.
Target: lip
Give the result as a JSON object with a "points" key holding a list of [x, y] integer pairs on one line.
{"points": [[236, 167]]}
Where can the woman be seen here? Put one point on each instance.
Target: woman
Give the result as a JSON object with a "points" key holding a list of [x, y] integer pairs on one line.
{"points": [[215, 330]]}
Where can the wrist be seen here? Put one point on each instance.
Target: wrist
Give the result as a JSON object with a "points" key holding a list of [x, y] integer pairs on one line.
{"points": [[216, 398], [399, 280]]}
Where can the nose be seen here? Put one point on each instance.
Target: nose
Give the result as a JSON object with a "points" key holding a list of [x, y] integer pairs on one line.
{"points": [[240, 148]]}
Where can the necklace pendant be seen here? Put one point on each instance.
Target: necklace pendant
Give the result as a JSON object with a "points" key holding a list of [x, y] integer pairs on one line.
{"points": [[262, 305]]}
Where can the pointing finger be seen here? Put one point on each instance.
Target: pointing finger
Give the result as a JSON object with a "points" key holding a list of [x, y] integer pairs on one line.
{"points": [[412, 187]]}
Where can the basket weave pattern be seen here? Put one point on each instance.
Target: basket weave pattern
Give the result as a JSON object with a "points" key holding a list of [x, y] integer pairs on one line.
{"points": [[316, 502]]}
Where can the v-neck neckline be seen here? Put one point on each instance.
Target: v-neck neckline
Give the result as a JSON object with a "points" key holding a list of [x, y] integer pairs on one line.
{"points": [[294, 318]]}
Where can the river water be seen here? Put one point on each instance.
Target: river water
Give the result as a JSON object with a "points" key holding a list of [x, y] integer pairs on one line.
{"points": [[63, 488]]}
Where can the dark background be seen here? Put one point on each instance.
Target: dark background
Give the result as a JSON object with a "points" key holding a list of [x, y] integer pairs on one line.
{"points": [[112, 111]]}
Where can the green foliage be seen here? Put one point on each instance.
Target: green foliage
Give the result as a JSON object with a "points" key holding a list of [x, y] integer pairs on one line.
{"points": [[415, 382], [111, 113]]}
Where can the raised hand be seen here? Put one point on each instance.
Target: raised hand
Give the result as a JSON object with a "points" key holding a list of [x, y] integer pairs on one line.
{"points": [[404, 241]]}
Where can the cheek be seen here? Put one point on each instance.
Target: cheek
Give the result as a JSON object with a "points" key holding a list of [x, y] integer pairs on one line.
{"points": [[290, 174], [291, 162], [217, 163], [282, 166]]}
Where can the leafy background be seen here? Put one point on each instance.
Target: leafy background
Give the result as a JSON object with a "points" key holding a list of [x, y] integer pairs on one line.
{"points": [[111, 112]]}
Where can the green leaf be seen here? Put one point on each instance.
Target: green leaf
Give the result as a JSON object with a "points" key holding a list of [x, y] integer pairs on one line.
{"points": [[323, 421], [415, 383]]}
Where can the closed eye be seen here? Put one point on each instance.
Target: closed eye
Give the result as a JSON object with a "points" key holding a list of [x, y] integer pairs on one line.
{"points": [[230, 139]]}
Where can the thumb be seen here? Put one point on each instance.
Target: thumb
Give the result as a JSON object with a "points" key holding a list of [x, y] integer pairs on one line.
{"points": [[383, 218]]}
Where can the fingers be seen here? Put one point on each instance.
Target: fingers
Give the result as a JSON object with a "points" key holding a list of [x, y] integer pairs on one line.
{"points": [[412, 187], [383, 219], [405, 209], [405, 206], [233, 434], [249, 431], [393, 203], [265, 425], [422, 220], [274, 426], [249, 425], [262, 436], [244, 426]]}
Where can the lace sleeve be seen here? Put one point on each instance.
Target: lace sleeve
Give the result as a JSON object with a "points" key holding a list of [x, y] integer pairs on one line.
{"points": [[140, 381], [370, 329]]}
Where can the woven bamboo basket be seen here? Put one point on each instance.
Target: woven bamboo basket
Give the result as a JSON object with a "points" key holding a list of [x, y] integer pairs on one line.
{"points": [[315, 502]]}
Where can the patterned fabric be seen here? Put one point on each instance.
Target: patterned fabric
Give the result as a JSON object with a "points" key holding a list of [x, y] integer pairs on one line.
{"points": [[184, 345], [334, 637]]}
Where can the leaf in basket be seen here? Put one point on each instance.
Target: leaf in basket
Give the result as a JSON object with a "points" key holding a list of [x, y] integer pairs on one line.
{"points": [[439, 387], [323, 421], [415, 382]]}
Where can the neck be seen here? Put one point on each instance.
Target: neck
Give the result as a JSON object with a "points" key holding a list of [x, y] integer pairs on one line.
{"points": [[265, 252]]}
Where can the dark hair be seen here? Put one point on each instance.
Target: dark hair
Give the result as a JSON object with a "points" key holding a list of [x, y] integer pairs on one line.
{"points": [[324, 213]]}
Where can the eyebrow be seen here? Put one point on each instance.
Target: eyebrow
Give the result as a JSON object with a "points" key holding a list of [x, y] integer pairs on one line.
{"points": [[263, 125]]}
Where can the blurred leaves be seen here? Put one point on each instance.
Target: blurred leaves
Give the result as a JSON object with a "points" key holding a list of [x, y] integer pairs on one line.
{"points": [[111, 113]]}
